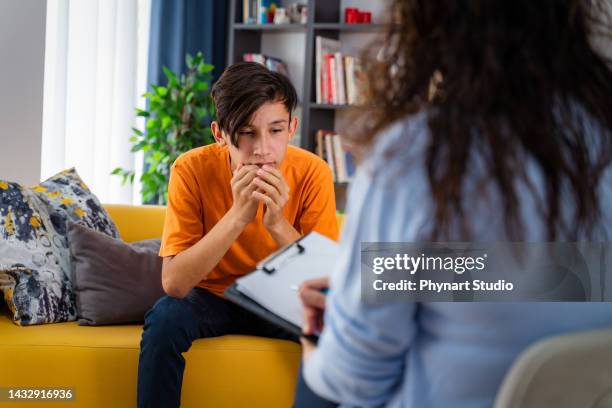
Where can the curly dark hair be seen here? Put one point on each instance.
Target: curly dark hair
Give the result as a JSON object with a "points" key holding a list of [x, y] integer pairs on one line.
{"points": [[510, 79]]}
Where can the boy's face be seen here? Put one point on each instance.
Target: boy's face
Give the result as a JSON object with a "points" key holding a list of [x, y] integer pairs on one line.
{"points": [[264, 140]]}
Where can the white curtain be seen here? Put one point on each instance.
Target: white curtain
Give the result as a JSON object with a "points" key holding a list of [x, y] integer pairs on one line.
{"points": [[95, 71]]}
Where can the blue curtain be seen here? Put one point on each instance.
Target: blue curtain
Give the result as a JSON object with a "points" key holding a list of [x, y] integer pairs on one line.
{"points": [[181, 27]]}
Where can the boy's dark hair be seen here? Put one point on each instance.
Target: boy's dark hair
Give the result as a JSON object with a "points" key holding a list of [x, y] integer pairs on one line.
{"points": [[242, 89]]}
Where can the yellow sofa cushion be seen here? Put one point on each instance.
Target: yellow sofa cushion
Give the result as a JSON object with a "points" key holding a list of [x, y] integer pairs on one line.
{"points": [[137, 222], [101, 365]]}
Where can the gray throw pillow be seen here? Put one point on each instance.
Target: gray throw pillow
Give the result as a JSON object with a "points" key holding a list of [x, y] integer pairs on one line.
{"points": [[114, 282]]}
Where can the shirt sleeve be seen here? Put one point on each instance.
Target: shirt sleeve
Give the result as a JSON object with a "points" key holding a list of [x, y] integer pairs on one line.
{"points": [[319, 207], [183, 226]]}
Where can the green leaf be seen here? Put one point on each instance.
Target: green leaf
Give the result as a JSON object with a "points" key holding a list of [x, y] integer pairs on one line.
{"points": [[143, 113], [137, 131], [200, 86], [152, 123], [169, 74], [139, 146], [160, 90], [117, 170], [205, 68], [166, 121]]}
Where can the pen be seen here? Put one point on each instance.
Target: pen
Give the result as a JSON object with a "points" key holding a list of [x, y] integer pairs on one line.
{"points": [[295, 288]]}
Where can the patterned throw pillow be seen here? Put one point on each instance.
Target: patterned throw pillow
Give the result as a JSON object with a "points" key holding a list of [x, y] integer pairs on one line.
{"points": [[34, 252]]}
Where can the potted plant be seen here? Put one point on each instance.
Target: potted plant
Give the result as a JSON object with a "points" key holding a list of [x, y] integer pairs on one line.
{"points": [[177, 120]]}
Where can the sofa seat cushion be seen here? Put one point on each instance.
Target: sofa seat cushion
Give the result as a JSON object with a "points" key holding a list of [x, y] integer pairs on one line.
{"points": [[101, 365]]}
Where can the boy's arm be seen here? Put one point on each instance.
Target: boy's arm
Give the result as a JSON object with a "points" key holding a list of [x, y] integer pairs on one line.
{"points": [[182, 272]]}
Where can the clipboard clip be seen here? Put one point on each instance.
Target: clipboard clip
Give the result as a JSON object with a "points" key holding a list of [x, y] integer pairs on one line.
{"points": [[272, 263]]}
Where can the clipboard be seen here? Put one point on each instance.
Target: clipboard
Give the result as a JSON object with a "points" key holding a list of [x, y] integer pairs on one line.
{"points": [[233, 294], [268, 291]]}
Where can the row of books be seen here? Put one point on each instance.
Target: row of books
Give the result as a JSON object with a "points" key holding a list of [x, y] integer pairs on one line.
{"points": [[330, 148], [258, 11], [273, 64], [340, 79]]}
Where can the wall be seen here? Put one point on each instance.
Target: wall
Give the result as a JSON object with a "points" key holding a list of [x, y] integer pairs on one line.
{"points": [[22, 56]]}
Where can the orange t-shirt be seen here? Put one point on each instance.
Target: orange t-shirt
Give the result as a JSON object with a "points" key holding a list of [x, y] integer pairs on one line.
{"points": [[199, 195]]}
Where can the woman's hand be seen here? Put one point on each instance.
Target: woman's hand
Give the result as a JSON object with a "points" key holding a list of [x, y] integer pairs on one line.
{"points": [[308, 347], [312, 295]]}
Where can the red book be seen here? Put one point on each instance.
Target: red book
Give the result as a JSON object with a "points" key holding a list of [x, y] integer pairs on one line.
{"points": [[329, 84]]}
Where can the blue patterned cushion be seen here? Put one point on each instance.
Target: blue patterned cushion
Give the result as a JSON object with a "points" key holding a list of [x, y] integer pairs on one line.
{"points": [[35, 271]]}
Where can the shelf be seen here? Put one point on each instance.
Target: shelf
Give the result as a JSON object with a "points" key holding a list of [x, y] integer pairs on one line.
{"points": [[349, 27], [271, 27]]}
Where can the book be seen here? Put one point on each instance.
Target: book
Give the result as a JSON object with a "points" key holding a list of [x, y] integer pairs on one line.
{"points": [[330, 64], [349, 69], [329, 154], [272, 63], [330, 147], [323, 46], [319, 146], [245, 11], [340, 82], [339, 159]]}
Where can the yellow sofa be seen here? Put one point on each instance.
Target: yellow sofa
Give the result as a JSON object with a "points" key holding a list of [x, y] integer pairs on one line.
{"points": [[100, 363]]}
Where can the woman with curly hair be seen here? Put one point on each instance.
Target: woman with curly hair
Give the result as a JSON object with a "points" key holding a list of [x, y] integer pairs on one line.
{"points": [[491, 122]]}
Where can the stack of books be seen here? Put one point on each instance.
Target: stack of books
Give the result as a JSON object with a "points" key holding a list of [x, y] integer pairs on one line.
{"points": [[258, 11], [273, 64], [330, 148], [340, 79]]}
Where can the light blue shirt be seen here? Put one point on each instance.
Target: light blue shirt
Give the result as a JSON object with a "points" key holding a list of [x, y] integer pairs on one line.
{"points": [[421, 355]]}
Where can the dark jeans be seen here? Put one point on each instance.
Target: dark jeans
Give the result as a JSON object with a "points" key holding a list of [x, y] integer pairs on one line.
{"points": [[172, 325]]}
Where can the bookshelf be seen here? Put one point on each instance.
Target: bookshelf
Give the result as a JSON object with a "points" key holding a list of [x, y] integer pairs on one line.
{"points": [[295, 44]]}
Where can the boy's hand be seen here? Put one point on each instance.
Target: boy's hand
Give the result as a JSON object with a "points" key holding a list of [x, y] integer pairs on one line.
{"points": [[244, 206], [313, 299], [273, 191]]}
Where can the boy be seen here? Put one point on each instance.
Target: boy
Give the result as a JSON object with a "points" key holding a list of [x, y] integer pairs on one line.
{"points": [[230, 204]]}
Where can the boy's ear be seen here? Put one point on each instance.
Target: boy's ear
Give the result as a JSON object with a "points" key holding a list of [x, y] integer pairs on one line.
{"points": [[217, 133], [293, 126]]}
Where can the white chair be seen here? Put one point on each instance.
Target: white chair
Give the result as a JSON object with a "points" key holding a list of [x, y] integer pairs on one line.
{"points": [[568, 371]]}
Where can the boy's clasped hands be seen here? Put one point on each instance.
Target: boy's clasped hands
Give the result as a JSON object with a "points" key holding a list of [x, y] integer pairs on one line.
{"points": [[252, 185]]}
